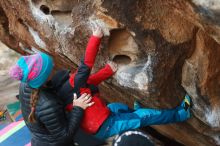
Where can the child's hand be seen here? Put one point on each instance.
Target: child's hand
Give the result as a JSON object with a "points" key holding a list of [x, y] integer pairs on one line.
{"points": [[83, 101], [113, 66], [97, 31]]}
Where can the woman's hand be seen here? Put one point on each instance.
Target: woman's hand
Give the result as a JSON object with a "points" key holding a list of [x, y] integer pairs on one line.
{"points": [[83, 101]]}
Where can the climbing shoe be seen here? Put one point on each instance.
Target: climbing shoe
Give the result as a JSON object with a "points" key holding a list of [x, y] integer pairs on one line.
{"points": [[184, 108], [186, 103], [137, 105]]}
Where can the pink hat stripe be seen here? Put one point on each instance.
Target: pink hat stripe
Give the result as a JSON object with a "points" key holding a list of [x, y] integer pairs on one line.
{"points": [[34, 66]]}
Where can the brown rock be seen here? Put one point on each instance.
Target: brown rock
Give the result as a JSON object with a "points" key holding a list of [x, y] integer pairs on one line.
{"points": [[165, 48]]}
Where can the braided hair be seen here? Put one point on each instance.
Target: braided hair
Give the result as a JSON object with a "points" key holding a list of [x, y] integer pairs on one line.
{"points": [[33, 102]]}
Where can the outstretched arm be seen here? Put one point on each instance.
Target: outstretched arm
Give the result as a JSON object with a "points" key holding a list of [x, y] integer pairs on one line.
{"points": [[93, 47], [81, 76], [102, 74]]}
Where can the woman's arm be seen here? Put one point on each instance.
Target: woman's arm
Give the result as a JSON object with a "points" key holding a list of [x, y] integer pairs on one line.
{"points": [[51, 115]]}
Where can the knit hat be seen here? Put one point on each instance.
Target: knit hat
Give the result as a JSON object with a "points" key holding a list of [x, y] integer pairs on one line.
{"points": [[132, 138], [32, 69]]}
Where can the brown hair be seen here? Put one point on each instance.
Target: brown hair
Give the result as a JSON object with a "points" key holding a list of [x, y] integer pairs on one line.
{"points": [[33, 102]]}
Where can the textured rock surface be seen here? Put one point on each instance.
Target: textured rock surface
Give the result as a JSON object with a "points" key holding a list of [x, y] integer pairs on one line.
{"points": [[164, 48]]}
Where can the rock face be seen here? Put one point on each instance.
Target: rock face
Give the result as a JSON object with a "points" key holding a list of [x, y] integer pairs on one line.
{"points": [[164, 49]]}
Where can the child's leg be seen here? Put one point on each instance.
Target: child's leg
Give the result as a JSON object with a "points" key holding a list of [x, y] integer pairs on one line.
{"points": [[119, 108], [157, 117], [100, 76], [117, 123], [166, 116], [120, 122]]}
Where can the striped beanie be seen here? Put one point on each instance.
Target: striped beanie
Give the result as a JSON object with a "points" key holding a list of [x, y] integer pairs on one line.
{"points": [[33, 69]]}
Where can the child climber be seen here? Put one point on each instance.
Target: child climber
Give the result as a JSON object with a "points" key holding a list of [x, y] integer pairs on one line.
{"points": [[105, 121]]}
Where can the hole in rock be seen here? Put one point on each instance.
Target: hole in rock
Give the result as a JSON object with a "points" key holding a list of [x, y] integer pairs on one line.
{"points": [[122, 46], [122, 59], [45, 9]]}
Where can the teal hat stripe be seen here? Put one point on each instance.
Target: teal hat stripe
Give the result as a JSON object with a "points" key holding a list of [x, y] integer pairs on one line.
{"points": [[24, 67], [47, 67]]}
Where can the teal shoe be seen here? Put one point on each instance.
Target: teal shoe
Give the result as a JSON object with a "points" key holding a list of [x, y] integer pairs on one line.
{"points": [[137, 105], [186, 103], [184, 108]]}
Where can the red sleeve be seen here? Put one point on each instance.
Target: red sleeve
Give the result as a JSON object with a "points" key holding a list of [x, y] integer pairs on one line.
{"points": [[91, 51], [69, 107], [71, 79], [101, 75]]}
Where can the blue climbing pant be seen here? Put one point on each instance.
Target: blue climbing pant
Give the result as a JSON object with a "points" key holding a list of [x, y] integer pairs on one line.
{"points": [[123, 118]]}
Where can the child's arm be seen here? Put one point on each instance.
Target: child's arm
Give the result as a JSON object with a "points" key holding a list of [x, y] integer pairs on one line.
{"points": [[93, 47], [81, 76], [102, 74]]}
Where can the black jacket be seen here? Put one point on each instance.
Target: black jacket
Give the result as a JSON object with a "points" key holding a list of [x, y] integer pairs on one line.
{"points": [[60, 84], [53, 127]]}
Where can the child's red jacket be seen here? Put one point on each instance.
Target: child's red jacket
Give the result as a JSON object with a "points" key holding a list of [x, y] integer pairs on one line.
{"points": [[82, 82]]}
